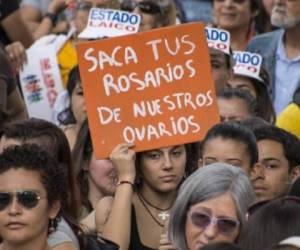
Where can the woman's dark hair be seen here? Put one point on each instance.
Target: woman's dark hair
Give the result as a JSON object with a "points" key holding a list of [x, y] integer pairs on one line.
{"points": [[289, 142], [192, 157], [265, 107], [271, 223], [232, 93], [32, 157], [50, 138], [236, 132], [263, 20], [67, 116], [82, 154]]}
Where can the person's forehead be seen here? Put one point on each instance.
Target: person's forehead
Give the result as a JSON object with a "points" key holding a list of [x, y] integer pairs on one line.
{"points": [[217, 54]]}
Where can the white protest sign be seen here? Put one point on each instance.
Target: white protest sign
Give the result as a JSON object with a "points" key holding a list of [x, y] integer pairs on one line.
{"points": [[41, 81], [247, 64], [218, 39], [110, 23]]}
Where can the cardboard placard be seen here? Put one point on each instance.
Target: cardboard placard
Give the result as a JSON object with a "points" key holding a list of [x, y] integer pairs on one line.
{"points": [[153, 89], [218, 39], [247, 64], [110, 23], [41, 81]]}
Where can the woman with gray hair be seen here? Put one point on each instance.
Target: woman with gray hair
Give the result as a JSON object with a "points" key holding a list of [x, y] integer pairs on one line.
{"points": [[210, 207]]}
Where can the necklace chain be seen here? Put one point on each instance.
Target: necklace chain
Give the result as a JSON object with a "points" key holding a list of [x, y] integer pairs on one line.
{"points": [[143, 201], [151, 205]]}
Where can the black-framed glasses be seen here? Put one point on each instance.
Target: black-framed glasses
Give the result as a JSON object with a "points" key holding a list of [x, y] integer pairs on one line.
{"points": [[148, 7], [224, 224], [26, 198]]}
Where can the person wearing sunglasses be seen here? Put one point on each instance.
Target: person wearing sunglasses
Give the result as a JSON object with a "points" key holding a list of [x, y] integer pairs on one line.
{"points": [[271, 222], [210, 207], [154, 13], [32, 193], [237, 17], [51, 139]]}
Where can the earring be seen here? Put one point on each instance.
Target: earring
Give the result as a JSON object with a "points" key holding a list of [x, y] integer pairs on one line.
{"points": [[51, 226]]}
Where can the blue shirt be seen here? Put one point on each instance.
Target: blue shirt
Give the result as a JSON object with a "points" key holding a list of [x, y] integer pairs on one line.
{"points": [[287, 77]]}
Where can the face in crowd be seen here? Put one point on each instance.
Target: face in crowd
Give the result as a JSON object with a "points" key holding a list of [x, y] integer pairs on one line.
{"points": [[286, 13], [232, 14], [101, 176], [278, 163], [78, 104], [226, 150], [220, 215], [221, 68], [243, 83], [271, 178], [30, 196], [234, 109], [210, 207], [163, 169], [230, 143], [19, 222]]}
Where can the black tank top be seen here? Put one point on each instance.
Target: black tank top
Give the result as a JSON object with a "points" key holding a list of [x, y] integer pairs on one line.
{"points": [[135, 241]]}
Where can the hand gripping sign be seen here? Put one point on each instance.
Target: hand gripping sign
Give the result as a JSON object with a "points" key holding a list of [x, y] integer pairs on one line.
{"points": [[218, 39], [110, 23], [150, 88], [247, 64]]}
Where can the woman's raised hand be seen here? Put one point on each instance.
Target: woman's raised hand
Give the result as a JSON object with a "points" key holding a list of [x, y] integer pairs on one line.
{"points": [[123, 158]]}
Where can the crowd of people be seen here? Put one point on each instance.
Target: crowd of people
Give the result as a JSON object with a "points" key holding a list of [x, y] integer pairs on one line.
{"points": [[237, 189]]}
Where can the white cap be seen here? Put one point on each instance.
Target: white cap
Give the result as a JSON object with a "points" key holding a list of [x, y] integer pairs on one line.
{"points": [[218, 39], [292, 241], [247, 64]]}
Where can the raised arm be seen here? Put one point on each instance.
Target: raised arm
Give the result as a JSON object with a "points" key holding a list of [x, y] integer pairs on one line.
{"points": [[117, 227]]}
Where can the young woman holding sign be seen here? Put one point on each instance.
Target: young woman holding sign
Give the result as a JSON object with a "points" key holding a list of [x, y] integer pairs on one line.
{"points": [[146, 190]]}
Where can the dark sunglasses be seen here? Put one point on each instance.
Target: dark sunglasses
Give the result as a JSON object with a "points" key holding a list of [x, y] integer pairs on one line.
{"points": [[256, 206], [202, 220], [147, 7], [26, 198]]}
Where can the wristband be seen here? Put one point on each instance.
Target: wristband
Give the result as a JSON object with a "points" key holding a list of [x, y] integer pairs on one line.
{"points": [[125, 182], [52, 17]]}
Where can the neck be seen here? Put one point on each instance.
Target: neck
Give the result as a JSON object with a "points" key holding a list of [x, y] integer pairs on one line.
{"points": [[36, 245], [94, 193], [238, 37], [162, 200], [291, 41]]}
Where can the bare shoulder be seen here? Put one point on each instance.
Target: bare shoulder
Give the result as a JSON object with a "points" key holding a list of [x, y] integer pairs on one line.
{"points": [[65, 246]]}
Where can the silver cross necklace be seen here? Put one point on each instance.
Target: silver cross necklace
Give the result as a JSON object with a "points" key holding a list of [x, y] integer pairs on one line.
{"points": [[163, 214]]}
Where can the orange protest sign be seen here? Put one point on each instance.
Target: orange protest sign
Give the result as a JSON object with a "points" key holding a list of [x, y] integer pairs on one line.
{"points": [[153, 89]]}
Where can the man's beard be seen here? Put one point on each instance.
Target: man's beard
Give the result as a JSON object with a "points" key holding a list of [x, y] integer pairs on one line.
{"points": [[280, 18]]}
